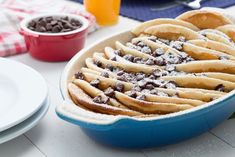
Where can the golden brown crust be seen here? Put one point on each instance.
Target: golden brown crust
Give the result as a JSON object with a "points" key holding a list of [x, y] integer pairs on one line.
{"points": [[223, 66], [204, 19], [83, 99], [229, 30], [214, 45], [201, 53], [140, 28], [173, 32]]}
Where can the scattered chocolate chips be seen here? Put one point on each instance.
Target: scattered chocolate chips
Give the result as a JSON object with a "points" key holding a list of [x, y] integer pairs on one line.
{"points": [[129, 57], [109, 92], [101, 99], [79, 75], [141, 97], [220, 88], [51, 24], [104, 74], [98, 63], [131, 94], [171, 85], [95, 82], [160, 61], [158, 52], [150, 62], [119, 87], [170, 67], [109, 67], [114, 58], [176, 44]]}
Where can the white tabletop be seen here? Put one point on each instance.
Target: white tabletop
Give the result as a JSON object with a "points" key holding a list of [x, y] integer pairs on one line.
{"points": [[53, 137]]}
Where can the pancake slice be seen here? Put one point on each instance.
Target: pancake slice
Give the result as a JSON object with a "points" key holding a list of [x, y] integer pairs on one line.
{"points": [[93, 92], [175, 100], [82, 99], [200, 82], [172, 32], [143, 26], [201, 53], [223, 66], [204, 19], [129, 67], [214, 45], [150, 107], [191, 94]]}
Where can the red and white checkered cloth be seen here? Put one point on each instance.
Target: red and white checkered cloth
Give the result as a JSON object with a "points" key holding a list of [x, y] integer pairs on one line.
{"points": [[13, 11]]}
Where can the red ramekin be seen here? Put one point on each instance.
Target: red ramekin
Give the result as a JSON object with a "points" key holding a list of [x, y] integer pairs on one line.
{"points": [[54, 47]]}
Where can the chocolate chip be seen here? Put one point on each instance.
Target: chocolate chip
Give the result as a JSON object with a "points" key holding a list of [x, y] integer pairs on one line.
{"points": [[158, 52], [48, 26], [79, 75], [142, 83], [177, 45], [98, 63], [157, 83], [49, 19], [149, 86], [157, 72], [56, 29], [140, 76], [131, 94], [95, 82], [121, 72], [170, 68], [181, 38], [146, 50], [136, 88], [141, 97], [40, 29], [113, 58], [32, 23], [160, 61], [165, 41], [137, 59], [118, 52], [129, 57], [101, 99], [109, 67], [109, 92], [119, 87], [220, 88], [53, 24], [171, 85], [150, 62], [104, 74]]}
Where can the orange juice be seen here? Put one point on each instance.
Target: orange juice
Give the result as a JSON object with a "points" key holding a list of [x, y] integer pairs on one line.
{"points": [[105, 11]]}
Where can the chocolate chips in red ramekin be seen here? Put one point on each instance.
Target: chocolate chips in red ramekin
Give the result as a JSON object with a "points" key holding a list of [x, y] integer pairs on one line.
{"points": [[52, 24]]}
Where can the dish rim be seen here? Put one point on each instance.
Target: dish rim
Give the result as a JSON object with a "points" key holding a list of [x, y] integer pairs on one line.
{"points": [[69, 116]]}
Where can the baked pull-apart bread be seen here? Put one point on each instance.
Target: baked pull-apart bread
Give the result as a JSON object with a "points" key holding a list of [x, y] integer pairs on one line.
{"points": [[169, 66]]}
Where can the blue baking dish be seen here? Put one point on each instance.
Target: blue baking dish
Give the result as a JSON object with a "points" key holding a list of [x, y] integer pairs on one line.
{"points": [[130, 132]]}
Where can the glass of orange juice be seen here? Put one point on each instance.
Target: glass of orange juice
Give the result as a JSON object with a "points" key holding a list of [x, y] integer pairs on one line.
{"points": [[105, 11]]}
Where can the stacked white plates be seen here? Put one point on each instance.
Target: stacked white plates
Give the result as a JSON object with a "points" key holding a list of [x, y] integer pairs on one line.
{"points": [[23, 99]]}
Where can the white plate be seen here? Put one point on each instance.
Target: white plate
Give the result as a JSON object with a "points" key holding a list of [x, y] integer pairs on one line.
{"points": [[24, 126], [22, 92]]}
